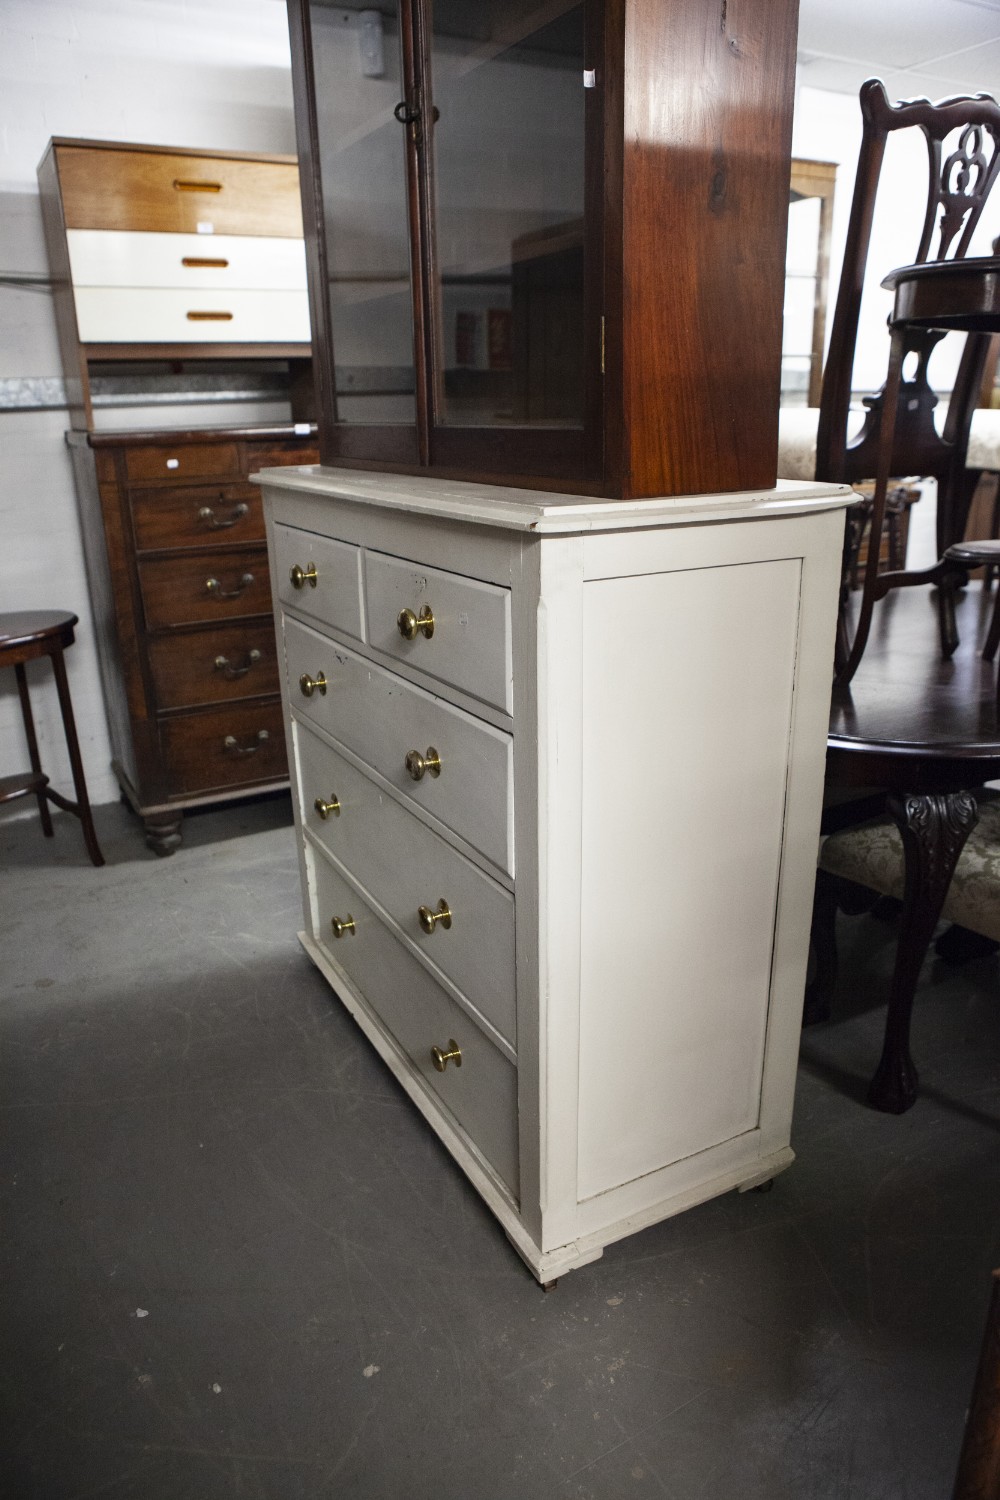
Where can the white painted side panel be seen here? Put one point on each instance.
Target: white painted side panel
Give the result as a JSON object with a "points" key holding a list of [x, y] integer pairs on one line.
{"points": [[688, 686], [122, 258], [135, 315]]}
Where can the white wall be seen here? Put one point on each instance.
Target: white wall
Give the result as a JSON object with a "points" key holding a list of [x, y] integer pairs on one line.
{"points": [[162, 72]]}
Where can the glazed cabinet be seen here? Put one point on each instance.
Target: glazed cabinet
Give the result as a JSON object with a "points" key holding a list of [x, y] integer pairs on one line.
{"points": [[546, 241], [557, 768]]}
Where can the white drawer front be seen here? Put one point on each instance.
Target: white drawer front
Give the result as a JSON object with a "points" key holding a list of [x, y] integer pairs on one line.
{"points": [[139, 315], [481, 1093], [404, 865], [327, 583], [122, 258], [383, 719], [469, 645]]}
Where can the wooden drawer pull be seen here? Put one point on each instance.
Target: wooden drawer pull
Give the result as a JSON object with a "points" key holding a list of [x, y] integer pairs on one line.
{"points": [[410, 625], [442, 1059], [215, 588], [430, 918], [203, 262], [417, 764], [207, 514], [187, 185], [229, 672], [232, 746], [210, 317]]}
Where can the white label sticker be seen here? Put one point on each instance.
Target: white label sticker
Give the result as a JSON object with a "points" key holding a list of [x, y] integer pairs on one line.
{"points": [[302, 429], [204, 227], [590, 78], [173, 463]]}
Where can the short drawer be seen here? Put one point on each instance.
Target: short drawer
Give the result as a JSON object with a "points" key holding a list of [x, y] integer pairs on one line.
{"points": [[177, 193], [463, 765], [405, 866], [183, 461], [481, 1093], [319, 577], [108, 257], [199, 589], [233, 746], [453, 628], [179, 517], [214, 666], [140, 315]]}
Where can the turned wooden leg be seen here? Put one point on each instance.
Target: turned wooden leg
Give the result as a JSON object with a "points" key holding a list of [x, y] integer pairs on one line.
{"points": [[29, 731], [163, 832], [934, 830]]}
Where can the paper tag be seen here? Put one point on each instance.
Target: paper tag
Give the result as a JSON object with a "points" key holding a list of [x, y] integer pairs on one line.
{"points": [[173, 463], [204, 227], [302, 429]]}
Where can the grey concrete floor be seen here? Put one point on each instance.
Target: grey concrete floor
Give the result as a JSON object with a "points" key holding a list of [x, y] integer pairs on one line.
{"points": [[237, 1263]]}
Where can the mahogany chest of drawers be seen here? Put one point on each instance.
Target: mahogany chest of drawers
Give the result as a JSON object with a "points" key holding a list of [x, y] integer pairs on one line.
{"points": [[176, 556]]}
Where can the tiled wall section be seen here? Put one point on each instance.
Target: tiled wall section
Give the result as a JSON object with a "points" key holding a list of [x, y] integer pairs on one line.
{"points": [[211, 73]]}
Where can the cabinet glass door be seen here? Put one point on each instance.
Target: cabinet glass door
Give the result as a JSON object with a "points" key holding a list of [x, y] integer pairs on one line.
{"points": [[507, 206], [357, 63]]}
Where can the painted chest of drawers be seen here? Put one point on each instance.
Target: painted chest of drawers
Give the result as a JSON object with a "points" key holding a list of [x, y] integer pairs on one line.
{"points": [[557, 767], [176, 559]]}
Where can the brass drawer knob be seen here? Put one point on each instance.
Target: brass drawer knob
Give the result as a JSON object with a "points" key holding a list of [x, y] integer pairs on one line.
{"points": [[430, 918], [410, 625], [310, 685], [326, 808], [301, 576], [340, 925], [442, 1059], [215, 588], [417, 764]]}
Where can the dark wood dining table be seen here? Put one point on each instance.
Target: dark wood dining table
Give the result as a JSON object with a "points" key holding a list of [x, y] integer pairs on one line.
{"points": [[924, 729]]}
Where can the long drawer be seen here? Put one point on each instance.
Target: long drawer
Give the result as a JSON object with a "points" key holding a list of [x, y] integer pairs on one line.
{"points": [[453, 628], [199, 589], [214, 666], [405, 866], [231, 746], [183, 517], [387, 722], [177, 193], [481, 1093], [147, 315], [173, 460], [107, 257]]}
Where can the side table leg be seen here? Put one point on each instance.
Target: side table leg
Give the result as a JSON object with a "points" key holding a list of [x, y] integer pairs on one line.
{"points": [[75, 760], [934, 830], [29, 731]]}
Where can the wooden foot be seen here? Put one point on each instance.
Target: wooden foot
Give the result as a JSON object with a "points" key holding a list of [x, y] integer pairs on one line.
{"points": [[550, 1286], [934, 830], [163, 832]]}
